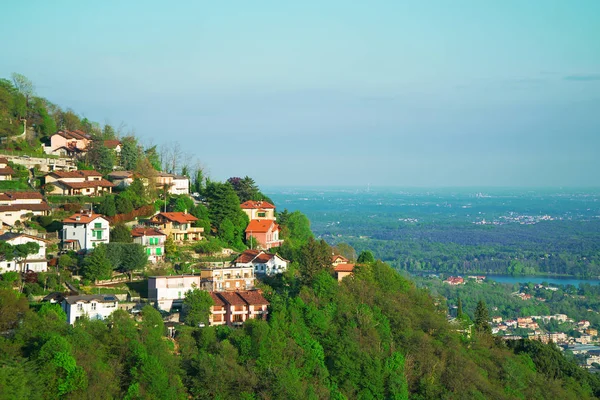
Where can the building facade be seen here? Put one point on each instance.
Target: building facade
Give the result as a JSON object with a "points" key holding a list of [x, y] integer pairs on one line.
{"points": [[84, 231], [153, 241], [33, 262], [90, 306]]}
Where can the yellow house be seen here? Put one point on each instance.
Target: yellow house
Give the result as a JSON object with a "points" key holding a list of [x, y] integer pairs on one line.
{"points": [[177, 225]]}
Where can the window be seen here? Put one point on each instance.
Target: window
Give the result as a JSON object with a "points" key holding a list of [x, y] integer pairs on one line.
{"points": [[148, 252], [262, 214], [79, 307], [94, 306], [98, 225], [159, 251], [73, 233]]}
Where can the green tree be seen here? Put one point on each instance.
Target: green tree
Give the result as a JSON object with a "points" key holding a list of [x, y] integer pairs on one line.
{"points": [[482, 318], [97, 265], [130, 153], [134, 259], [100, 157], [196, 307], [12, 309], [123, 205], [459, 310], [120, 233], [315, 256], [107, 206], [366, 257], [224, 204], [245, 188]]}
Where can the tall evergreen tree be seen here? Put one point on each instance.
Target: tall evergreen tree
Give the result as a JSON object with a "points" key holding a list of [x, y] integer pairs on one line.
{"points": [[482, 317]]}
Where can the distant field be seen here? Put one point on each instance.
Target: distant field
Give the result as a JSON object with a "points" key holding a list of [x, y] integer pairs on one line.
{"points": [[495, 231]]}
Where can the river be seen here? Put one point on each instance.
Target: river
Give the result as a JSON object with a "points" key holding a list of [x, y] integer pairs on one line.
{"points": [[539, 279]]}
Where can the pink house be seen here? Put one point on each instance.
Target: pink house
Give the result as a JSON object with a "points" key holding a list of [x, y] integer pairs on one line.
{"points": [[68, 143], [266, 233]]}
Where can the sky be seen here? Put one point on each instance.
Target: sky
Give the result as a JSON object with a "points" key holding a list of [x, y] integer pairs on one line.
{"points": [[332, 93]]}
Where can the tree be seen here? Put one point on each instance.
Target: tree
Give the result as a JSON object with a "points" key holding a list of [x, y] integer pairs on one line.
{"points": [[245, 188], [482, 317], [345, 250], [196, 307], [100, 157], [459, 310], [65, 261], [295, 226], [12, 308], [366, 257], [224, 204], [123, 205], [130, 153], [97, 266], [107, 206], [23, 85], [315, 256], [120, 233], [134, 258]]}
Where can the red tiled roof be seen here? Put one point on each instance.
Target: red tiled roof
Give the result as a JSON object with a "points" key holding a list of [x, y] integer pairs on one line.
{"points": [[139, 232], [252, 204], [21, 196], [86, 184], [120, 174], [344, 268], [246, 257], [262, 226], [76, 134], [253, 297], [264, 257], [84, 218], [3, 160], [217, 300], [182, 218], [231, 298], [112, 144], [30, 207], [74, 174], [7, 171], [338, 257]]}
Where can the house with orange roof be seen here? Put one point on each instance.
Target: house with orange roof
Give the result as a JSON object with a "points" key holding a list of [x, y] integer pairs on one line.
{"points": [[266, 233], [343, 270], [84, 231], [241, 306], [83, 182], [6, 172], [153, 241], [16, 206], [177, 225], [258, 210], [263, 263], [337, 259], [174, 184], [68, 143]]}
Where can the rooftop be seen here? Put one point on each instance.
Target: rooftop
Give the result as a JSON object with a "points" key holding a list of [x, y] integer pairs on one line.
{"points": [[252, 204]]}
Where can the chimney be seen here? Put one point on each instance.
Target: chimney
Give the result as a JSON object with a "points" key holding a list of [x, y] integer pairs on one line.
{"points": [[78, 218], [185, 211]]}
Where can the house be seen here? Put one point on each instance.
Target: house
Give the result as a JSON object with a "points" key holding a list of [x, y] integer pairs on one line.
{"points": [[68, 143], [121, 179], [177, 225], [34, 262], [266, 233], [228, 278], [72, 183], [217, 310], [343, 270], [6, 172], [181, 185], [258, 210], [496, 320], [455, 280], [17, 206], [90, 306], [238, 307], [337, 259], [84, 231], [263, 263], [174, 184], [114, 145], [166, 291], [153, 241]]}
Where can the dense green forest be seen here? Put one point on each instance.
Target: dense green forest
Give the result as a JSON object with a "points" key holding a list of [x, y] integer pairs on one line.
{"points": [[373, 336]]}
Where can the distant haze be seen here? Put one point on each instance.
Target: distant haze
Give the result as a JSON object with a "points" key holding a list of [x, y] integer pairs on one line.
{"points": [[432, 93]]}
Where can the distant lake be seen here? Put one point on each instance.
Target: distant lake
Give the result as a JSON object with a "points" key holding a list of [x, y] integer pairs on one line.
{"points": [[539, 279]]}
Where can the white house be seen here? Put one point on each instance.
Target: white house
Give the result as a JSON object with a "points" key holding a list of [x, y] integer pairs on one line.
{"points": [[15, 206], [6, 172], [84, 231], [34, 262], [153, 241], [90, 306], [181, 185], [263, 263], [165, 290]]}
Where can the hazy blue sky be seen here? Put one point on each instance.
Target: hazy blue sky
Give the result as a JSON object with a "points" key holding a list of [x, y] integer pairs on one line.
{"points": [[422, 93]]}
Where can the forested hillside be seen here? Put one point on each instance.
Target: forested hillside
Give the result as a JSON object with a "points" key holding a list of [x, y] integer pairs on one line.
{"points": [[373, 336]]}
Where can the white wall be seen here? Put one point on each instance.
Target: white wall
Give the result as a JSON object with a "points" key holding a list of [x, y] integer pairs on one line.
{"points": [[84, 233], [101, 311]]}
